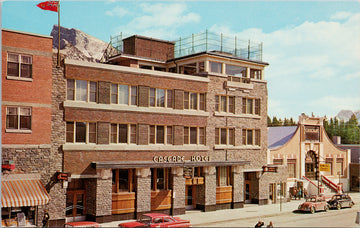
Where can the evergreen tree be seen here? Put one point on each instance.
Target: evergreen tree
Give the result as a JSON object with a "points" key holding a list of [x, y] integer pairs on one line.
{"points": [[269, 123], [275, 122]]}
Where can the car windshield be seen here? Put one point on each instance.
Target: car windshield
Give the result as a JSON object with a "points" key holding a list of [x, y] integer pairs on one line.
{"points": [[311, 200], [336, 197], [145, 219]]}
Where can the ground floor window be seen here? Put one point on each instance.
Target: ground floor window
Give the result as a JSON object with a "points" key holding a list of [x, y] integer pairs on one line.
{"points": [[123, 180], [291, 164], [160, 178], [18, 216], [223, 176]]}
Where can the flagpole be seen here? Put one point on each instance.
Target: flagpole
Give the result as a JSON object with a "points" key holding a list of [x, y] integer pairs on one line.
{"points": [[58, 54]]}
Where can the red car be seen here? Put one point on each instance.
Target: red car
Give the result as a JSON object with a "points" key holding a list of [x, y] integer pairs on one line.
{"points": [[313, 204], [157, 220]]}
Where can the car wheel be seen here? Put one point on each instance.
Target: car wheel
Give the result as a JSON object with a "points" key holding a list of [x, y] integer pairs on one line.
{"points": [[326, 208], [312, 210], [351, 204], [338, 206]]}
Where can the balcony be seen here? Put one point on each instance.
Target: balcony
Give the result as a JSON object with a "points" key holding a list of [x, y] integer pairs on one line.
{"points": [[239, 83]]}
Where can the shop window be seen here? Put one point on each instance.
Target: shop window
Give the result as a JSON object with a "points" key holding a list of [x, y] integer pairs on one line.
{"points": [[160, 179], [225, 136], [215, 67], [223, 175], [291, 164], [80, 90], [194, 135], [18, 118], [251, 137], [123, 180], [19, 65], [81, 132], [251, 106], [224, 104]]}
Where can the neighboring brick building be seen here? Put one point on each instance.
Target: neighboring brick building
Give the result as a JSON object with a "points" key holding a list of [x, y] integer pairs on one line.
{"points": [[26, 124], [153, 132]]}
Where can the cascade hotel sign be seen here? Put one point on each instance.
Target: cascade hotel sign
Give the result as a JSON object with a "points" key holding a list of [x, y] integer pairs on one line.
{"points": [[174, 158]]}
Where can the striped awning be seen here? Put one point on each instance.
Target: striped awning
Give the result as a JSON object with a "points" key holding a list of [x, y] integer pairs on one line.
{"points": [[23, 193]]}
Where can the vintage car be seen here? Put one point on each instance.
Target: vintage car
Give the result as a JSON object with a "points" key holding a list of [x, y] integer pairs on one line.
{"points": [[339, 201], [82, 224], [157, 220], [313, 204]]}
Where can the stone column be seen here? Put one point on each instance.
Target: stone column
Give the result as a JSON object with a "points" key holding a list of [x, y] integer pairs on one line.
{"points": [[178, 191], [143, 191], [238, 187], [210, 189], [103, 195]]}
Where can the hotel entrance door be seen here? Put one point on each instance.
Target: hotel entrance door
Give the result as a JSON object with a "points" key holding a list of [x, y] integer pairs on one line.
{"points": [[190, 197]]}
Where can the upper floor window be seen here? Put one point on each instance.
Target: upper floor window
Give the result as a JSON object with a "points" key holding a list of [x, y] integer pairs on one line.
{"points": [[235, 70], [80, 132], [161, 98], [123, 133], [194, 101], [215, 67], [224, 103], [18, 118], [194, 135], [251, 106], [251, 137], [256, 74], [19, 65], [225, 136], [124, 94], [80, 90], [161, 134]]}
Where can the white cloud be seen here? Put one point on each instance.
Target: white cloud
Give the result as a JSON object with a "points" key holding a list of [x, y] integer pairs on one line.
{"points": [[160, 19], [334, 104], [340, 16], [117, 11]]}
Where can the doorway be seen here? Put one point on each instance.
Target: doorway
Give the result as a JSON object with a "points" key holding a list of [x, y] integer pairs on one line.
{"points": [[310, 165], [190, 197]]}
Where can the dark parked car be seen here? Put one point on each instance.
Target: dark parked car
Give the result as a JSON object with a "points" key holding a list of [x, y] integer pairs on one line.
{"points": [[339, 201]]}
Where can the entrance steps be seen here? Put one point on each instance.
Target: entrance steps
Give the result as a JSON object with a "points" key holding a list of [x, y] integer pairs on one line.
{"points": [[313, 186]]}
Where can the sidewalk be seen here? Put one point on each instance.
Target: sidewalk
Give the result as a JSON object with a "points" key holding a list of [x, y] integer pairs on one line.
{"points": [[199, 218]]}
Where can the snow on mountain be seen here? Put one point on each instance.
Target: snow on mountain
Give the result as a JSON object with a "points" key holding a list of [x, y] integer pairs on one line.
{"points": [[76, 44], [345, 115]]}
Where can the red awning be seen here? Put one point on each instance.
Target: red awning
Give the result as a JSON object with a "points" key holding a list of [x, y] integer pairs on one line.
{"points": [[23, 193]]}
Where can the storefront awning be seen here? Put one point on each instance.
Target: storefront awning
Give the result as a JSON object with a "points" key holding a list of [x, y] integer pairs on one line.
{"points": [[23, 193]]}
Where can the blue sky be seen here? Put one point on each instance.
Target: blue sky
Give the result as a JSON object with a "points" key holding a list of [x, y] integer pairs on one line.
{"points": [[313, 47]]}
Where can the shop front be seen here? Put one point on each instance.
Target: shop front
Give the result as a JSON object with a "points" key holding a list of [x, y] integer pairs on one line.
{"points": [[22, 196]]}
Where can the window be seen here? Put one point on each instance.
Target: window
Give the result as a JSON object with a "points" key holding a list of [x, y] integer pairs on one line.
{"points": [[18, 118], [223, 176], [160, 98], [251, 137], [123, 133], [235, 70], [224, 103], [195, 101], [160, 179], [19, 65], [256, 74], [123, 180], [81, 132], [133, 95], [340, 166], [291, 164], [160, 134], [120, 94], [80, 90], [251, 106], [215, 67], [329, 161], [225, 136], [278, 161], [194, 135]]}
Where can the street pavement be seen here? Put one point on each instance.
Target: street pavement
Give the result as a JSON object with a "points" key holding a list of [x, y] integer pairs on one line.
{"points": [[203, 219]]}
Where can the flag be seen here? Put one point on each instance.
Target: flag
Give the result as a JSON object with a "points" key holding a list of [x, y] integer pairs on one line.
{"points": [[49, 5]]}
